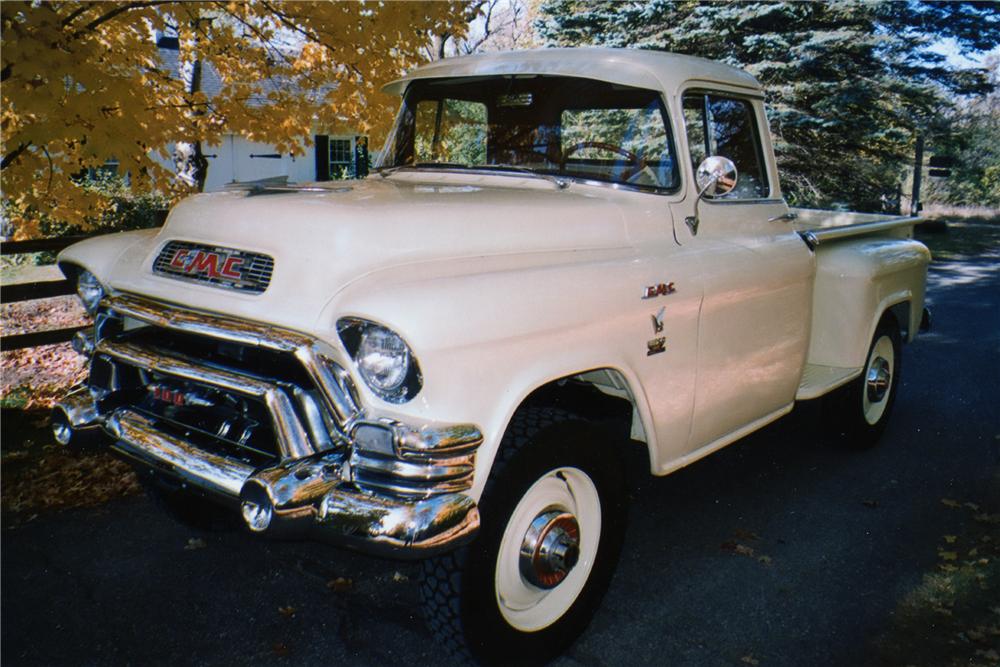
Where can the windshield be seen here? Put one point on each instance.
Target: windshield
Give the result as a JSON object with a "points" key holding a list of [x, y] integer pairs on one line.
{"points": [[557, 126]]}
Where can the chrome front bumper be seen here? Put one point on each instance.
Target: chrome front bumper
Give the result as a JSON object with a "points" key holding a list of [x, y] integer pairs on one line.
{"points": [[342, 477]]}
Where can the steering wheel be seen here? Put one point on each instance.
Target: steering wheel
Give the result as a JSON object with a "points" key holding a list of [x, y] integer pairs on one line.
{"points": [[529, 151], [638, 162]]}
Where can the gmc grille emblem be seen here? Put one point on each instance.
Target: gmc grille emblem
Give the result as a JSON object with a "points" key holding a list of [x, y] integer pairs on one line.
{"points": [[207, 263], [177, 397]]}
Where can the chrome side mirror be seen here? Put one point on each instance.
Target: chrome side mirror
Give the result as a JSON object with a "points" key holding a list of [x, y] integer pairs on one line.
{"points": [[716, 176]]}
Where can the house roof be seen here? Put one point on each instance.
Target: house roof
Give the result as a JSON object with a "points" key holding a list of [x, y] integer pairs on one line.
{"points": [[211, 83], [169, 48], [631, 67]]}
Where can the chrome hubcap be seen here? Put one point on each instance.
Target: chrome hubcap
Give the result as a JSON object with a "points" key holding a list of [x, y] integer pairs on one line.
{"points": [[550, 549], [879, 378]]}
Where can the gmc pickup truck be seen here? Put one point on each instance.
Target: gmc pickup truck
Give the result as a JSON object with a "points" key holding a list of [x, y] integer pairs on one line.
{"points": [[559, 252]]}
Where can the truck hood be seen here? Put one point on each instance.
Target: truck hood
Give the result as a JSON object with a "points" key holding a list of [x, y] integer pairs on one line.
{"points": [[326, 238]]}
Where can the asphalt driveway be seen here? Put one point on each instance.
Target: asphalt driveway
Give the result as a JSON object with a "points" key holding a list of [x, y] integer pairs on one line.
{"points": [[778, 550]]}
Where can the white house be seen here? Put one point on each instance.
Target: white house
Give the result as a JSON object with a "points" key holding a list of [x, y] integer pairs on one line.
{"points": [[238, 159]]}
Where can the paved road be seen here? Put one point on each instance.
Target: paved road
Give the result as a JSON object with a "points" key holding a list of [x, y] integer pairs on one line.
{"points": [[846, 536]]}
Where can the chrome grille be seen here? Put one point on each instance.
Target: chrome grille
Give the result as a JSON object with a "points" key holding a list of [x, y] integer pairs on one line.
{"points": [[227, 268], [211, 418]]}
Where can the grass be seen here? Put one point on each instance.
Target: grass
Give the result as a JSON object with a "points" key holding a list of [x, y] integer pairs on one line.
{"points": [[952, 618], [956, 239]]}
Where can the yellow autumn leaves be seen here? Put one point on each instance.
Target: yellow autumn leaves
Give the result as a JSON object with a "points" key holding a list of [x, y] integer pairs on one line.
{"points": [[84, 83]]}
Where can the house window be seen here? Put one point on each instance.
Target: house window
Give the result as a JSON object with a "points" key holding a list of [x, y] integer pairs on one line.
{"points": [[341, 158]]}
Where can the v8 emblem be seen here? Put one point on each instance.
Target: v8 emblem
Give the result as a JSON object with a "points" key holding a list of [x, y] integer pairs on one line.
{"points": [[658, 321]]}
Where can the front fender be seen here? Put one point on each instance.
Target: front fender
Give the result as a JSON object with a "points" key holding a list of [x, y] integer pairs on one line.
{"points": [[488, 331], [101, 255]]}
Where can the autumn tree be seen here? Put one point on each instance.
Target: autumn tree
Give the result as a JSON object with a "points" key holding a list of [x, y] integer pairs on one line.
{"points": [[493, 25], [849, 83], [84, 83]]}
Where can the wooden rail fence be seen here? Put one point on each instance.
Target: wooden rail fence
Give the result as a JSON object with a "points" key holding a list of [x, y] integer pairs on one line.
{"points": [[37, 290]]}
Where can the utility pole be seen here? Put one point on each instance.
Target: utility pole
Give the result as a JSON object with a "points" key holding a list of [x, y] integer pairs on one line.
{"points": [[918, 170]]}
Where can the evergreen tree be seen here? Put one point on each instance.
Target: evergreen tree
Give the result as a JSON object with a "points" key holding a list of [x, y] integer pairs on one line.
{"points": [[849, 83]]}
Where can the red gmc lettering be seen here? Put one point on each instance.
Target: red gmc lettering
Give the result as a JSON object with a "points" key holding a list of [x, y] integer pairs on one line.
{"points": [[229, 269], [205, 262], [178, 261]]}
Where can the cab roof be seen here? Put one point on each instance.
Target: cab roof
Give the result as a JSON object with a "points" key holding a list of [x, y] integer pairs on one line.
{"points": [[656, 70]]}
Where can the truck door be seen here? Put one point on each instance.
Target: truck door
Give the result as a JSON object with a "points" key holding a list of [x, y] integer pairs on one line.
{"points": [[758, 274]]}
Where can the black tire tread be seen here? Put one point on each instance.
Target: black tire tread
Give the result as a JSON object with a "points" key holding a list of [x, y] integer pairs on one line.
{"points": [[440, 586], [842, 413]]}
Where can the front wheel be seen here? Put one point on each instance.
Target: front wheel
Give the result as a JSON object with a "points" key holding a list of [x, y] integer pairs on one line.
{"points": [[553, 516], [859, 411]]}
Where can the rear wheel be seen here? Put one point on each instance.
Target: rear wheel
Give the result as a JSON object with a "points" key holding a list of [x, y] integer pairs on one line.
{"points": [[553, 516], [859, 411]]}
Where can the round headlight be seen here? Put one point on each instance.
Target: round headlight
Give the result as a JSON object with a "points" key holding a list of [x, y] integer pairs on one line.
{"points": [[383, 360], [89, 290]]}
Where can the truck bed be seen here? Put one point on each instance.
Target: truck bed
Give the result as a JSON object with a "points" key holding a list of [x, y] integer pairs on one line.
{"points": [[817, 226]]}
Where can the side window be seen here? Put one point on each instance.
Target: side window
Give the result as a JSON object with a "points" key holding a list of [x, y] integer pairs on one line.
{"points": [[451, 131], [727, 126]]}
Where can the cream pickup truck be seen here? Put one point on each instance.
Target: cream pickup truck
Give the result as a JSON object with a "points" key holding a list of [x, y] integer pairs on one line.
{"points": [[559, 252]]}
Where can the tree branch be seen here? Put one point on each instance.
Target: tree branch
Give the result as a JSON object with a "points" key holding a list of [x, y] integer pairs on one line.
{"points": [[107, 16], [52, 171], [72, 15], [13, 155], [292, 25]]}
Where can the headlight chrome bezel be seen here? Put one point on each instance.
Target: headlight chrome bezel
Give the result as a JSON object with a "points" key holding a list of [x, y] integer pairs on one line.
{"points": [[89, 290], [358, 335]]}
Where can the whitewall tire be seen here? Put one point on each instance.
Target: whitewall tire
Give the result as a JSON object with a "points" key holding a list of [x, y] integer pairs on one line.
{"points": [[553, 519]]}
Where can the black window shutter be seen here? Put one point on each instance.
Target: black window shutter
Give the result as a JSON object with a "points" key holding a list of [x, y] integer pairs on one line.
{"points": [[322, 157], [360, 156]]}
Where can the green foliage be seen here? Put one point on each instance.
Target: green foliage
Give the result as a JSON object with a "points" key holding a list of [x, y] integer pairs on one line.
{"points": [[451, 131], [848, 83], [971, 137], [126, 210]]}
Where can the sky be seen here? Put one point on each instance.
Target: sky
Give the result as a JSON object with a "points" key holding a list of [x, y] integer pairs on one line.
{"points": [[949, 48]]}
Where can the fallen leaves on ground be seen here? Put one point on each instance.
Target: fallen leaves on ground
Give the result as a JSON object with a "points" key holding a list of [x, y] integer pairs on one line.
{"points": [[40, 475], [735, 546], [38, 376], [36, 473], [951, 619], [340, 584], [287, 611]]}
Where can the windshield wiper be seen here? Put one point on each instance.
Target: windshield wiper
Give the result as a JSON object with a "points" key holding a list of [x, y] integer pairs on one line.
{"points": [[561, 184], [389, 171]]}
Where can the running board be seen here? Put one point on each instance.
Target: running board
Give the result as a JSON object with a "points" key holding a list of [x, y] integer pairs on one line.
{"points": [[818, 380]]}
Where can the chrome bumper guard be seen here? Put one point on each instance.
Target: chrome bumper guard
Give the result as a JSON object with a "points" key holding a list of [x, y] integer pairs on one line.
{"points": [[376, 485]]}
